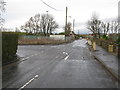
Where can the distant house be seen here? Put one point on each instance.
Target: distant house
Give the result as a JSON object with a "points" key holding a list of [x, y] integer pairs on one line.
{"points": [[57, 37], [72, 34]]}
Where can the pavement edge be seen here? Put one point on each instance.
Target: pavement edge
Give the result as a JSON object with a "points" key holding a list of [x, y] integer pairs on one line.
{"points": [[102, 63]]}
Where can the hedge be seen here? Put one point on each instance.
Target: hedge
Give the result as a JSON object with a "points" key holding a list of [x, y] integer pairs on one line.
{"points": [[105, 44], [9, 47]]}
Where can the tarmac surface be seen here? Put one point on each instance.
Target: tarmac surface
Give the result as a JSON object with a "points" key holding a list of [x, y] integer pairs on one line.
{"points": [[57, 66], [108, 60]]}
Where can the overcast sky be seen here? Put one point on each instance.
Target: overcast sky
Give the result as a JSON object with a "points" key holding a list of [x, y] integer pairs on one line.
{"points": [[19, 11]]}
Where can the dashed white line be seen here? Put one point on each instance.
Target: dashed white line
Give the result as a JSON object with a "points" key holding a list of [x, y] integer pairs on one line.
{"points": [[65, 53], [36, 76], [66, 57], [25, 58], [30, 56]]}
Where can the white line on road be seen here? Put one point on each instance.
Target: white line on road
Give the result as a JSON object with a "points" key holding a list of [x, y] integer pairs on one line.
{"points": [[29, 57], [25, 58], [66, 57], [65, 53], [36, 76]]}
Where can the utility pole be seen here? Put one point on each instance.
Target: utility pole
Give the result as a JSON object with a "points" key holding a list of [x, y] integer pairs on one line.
{"points": [[119, 31], [78, 32], [66, 22], [47, 13], [73, 24]]}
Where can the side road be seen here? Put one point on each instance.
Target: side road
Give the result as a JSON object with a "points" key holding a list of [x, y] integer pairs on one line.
{"points": [[108, 60]]}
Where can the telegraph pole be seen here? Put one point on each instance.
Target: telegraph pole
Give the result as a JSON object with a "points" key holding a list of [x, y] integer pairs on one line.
{"points": [[66, 22], [73, 24], [119, 30]]}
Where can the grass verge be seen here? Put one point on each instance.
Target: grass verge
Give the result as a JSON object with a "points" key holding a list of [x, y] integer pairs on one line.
{"points": [[41, 41]]}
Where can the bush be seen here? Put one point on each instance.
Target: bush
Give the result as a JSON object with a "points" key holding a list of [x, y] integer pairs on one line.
{"points": [[118, 40], [9, 46], [105, 37], [62, 33], [77, 37]]}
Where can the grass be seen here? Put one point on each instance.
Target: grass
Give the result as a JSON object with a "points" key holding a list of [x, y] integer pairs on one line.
{"points": [[42, 41]]}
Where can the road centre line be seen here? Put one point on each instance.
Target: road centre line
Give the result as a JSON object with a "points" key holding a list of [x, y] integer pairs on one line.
{"points": [[66, 57], [36, 76], [65, 53], [29, 56]]}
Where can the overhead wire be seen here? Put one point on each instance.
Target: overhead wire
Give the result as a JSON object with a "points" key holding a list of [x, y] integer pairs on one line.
{"points": [[50, 6]]}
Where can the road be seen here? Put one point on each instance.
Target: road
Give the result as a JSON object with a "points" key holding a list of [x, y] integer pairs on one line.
{"points": [[57, 66]]}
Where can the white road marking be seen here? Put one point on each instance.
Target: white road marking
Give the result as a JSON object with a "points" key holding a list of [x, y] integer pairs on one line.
{"points": [[66, 57], [79, 61], [36, 76], [30, 56], [27, 57], [65, 53]]}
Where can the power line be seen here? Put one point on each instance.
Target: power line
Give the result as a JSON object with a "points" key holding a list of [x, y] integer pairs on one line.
{"points": [[50, 6]]}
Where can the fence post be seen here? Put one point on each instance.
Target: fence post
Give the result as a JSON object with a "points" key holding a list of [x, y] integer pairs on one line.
{"points": [[94, 46], [110, 48]]}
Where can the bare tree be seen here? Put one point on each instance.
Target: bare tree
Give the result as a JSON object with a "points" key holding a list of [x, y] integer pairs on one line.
{"points": [[105, 28], [29, 26], [94, 25], [36, 22], [17, 29], [48, 24], [52, 25], [114, 27], [43, 25], [2, 9], [44, 21], [24, 28]]}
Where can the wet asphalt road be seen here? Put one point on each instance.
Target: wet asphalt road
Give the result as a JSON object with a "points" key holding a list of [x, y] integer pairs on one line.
{"points": [[59, 66]]}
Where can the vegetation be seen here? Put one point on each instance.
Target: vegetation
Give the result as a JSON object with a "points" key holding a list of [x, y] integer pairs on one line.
{"points": [[62, 33], [9, 46], [118, 40], [68, 28], [2, 9], [94, 26], [104, 30], [43, 25], [42, 41]]}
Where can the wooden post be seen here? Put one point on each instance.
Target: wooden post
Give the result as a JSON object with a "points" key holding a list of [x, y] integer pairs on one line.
{"points": [[66, 22], [110, 48], [94, 46]]}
